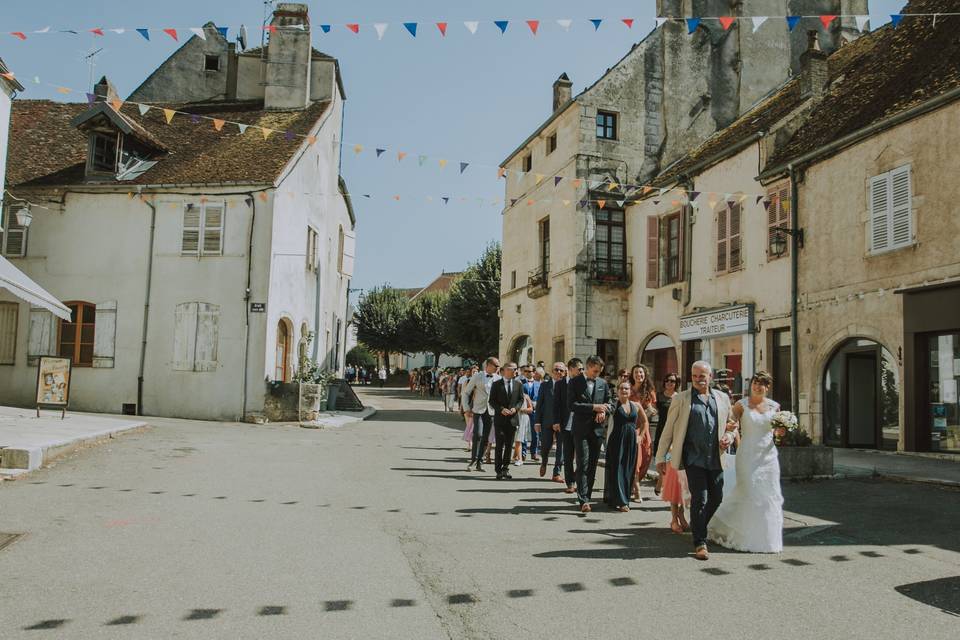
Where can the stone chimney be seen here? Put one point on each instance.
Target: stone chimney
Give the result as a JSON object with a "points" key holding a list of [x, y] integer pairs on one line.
{"points": [[289, 55], [562, 92], [104, 90], [814, 70]]}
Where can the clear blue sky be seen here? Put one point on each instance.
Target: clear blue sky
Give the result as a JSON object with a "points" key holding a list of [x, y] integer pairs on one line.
{"points": [[462, 98]]}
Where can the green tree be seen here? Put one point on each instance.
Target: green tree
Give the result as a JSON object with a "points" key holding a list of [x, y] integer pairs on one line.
{"points": [[472, 323], [361, 356], [378, 318], [422, 328]]}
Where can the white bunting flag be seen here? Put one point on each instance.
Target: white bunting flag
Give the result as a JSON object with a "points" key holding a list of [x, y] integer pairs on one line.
{"points": [[119, 31], [565, 23], [862, 22], [758, 22], [471, 26], [381, 28], [199, 32], [242, 127], [661, 21], [143, 108], [44, 30]]}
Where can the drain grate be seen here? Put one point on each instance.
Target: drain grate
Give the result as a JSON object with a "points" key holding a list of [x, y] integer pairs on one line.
{"points": [[7, 539]]}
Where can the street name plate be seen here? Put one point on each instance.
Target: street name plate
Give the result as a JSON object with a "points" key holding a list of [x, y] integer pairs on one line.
{"points": [[258, 307]]}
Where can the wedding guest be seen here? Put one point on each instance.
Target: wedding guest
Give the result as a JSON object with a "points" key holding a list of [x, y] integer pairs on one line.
{"points": [[671, 385], [476, 405], [677, 495], [523, 429], [563, 419], [621, 451], [533, 379], [588, 397], [544, 423], [506, 400], [643, 393]]}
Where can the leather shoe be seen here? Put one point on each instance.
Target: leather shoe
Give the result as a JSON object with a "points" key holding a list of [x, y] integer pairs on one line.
{"points": [[499, 476], [570, 490], [557, 478], [470, 467], [543, 469], [701, 553], [585, 508], [506, 474], [479, 467]]}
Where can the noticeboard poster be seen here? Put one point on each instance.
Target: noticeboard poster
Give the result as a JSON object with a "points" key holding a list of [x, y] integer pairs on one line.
{"points": [[53, 382]]}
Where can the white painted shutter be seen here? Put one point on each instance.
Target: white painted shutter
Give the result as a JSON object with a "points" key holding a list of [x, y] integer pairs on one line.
{"points": [[208, 336], [184, 336], [733, 238], [105, 335], [42, 335], [14, 236], [722, 241], [901, 210], [190, 240], [349, 251], [8, 332], [879, 213], [213, 215]]}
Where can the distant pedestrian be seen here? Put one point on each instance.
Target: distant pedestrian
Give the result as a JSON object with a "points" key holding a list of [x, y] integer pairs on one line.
{"points": [[382, 374]]}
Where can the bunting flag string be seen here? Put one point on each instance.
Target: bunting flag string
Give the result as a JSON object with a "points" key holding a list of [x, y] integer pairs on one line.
{"points": [[692, 23]]}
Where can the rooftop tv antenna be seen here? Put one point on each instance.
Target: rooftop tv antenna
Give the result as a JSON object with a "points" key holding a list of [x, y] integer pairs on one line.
{"points": [[267, 16], [90, 55]]}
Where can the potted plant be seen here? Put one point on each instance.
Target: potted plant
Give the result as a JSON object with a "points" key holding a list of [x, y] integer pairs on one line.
{"points": [[798, 457]]}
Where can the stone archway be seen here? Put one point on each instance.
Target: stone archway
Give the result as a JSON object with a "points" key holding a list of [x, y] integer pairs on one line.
{"points": [[659, 355], [521, 350]]}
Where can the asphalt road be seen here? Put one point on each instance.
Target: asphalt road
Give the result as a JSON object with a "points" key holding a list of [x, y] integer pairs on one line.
{"points": [[375, 530]]}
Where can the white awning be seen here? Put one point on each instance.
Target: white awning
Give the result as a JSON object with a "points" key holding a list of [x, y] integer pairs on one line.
{"points": [[14, 281]]}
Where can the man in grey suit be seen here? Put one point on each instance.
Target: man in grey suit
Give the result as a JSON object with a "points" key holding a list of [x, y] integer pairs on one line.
{"points": [[476, 405], [589, 399], [506, 398]]}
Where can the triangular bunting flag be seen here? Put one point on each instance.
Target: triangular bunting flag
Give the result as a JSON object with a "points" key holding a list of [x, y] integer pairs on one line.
{"points": [[97, 31], [380, 28], [270, 28], [168, 114], [116, 103], [502, 25], [766, 204], [218, 123], [861, 22], [172, 33], [263, 196], [20, 35], [628, 22], [442, 163], [380, 152], [195, 119], [446, 199], [565, 23], [325, 28], [242, 128], [145, 33], [200, 33], [411, 27], [443, 29], [539, 177], [566, 203], [530, 202], [582, 203], [223, 32], [60, 89], [311, 139], [556, 180], [513, 201], [758, 22], [826, 20], [661, 22], [534, 25], [620, 203], [471, 26], [265, 132], [577, 182], [694, 195], [354, 27], [613, 186], [601, 203], [44, 30], [726, 22], [119, 31], [596, 23], [401, 155], [656, 202], [501, 172], [357, 148], [421, 160], [896, 19], [91, 98], [759, 198], [692, 24], [463, 166], [792, 22]]}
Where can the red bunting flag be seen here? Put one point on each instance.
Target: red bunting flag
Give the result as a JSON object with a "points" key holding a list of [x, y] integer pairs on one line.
{"points": [[826, 20], [272, 28], [628, 22], [19, 34], [98, 31], [354, 27], [443, 28], [534, 25], [726, 22], [171, 32]]}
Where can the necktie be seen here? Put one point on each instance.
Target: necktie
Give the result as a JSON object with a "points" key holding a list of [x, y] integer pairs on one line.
{"points": [[509, 388]]}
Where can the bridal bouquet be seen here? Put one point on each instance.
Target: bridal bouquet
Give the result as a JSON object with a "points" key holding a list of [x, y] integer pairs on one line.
{"points": [[785, 426]]}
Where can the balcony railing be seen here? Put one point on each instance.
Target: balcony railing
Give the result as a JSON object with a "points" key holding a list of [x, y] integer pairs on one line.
{"points": [[614, 273], [538, 281]]}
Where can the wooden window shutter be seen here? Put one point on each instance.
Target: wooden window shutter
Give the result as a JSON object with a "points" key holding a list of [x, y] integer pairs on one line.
{"points": [[14, 237], [8, 332], [733, 238], [213, 229], [778, 215], [349, 253], [653, 252], [901, 207], [190, 240], [207, 337], [184, 336], [879, 213], [41, 336], [722, 241], [105, 335]]}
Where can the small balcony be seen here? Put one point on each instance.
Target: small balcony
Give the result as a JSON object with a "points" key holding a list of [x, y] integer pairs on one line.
{"points": [[612, 273], [538, 282]]}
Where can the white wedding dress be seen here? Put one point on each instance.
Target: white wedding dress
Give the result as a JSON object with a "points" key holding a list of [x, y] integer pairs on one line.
{"points": [[750, 518]]}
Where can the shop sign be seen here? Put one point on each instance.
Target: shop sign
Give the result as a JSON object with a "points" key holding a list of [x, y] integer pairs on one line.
{"points": [[729, 321]]}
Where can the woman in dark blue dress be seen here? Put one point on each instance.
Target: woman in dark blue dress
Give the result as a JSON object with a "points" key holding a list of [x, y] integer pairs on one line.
{"points": [[621, 452]]}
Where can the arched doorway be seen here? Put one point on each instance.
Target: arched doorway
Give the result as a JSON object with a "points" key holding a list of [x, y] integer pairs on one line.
{"points": [[522, 350], [861, 397], [281, 369], [659, 355]]}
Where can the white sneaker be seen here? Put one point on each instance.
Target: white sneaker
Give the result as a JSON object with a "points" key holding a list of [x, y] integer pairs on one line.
{"points": [[517, 463]]}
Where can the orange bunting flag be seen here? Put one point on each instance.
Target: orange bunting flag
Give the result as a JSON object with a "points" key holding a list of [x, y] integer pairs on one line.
{"points": [[401, 155], [218, 124], [501, 172], [172, 33], [726, 22], [443, 163], [168, 114], [647, 190], [530, 202], [534, 25], [63, 90], [826, 20], [8, 75], [263, 196], [576, 183], [116, 103], [357, 148], [601, 203], [566, 203], [311, 139], [266, 132], [397, 198]]}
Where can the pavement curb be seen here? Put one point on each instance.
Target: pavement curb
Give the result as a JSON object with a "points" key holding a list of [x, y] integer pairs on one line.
{"points": [[38, 457], [336, 421]]}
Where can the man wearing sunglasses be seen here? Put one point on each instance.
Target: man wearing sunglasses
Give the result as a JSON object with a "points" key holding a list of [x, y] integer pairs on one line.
{"points": [[545, 424]]}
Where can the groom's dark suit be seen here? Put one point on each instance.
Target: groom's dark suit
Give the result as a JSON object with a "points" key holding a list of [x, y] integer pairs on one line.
{"points": [[582, 395], [505, 394]]}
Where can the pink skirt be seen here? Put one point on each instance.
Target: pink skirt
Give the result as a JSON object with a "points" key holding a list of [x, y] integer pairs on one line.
{"points": [[468, 432], [674, 488]]}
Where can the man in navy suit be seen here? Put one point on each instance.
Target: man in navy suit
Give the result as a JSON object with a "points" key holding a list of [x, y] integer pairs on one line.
{"points": [[544, 423], [563, 420], [506, 399], [590, 402]]}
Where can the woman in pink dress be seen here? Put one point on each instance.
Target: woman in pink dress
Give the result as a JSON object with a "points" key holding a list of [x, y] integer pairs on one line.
{"points": [[643, 393]]}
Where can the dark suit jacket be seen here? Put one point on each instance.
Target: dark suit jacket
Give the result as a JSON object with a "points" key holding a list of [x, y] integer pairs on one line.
{"points": [[500, 401], [561, 410], [581, 402], [544, 412]]}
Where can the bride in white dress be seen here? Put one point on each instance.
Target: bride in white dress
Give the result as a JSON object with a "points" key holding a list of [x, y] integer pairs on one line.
{"points": [[750, 518]]}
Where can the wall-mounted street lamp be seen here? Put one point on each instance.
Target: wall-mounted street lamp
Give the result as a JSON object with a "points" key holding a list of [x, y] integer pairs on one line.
{"points": [[24, 216], [778, 242]]}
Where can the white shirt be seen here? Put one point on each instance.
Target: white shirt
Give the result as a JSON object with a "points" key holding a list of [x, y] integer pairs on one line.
{"points": [[569, 425], [488, 380]]}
